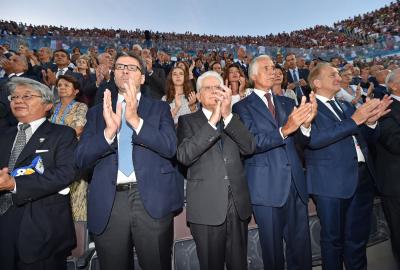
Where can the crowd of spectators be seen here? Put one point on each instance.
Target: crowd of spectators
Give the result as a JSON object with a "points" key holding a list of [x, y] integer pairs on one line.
{"points": [[372, 27]]}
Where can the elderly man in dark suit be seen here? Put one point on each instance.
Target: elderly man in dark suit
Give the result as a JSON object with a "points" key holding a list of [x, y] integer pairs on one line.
{"points": [[36, 161], [211, 142], [130, 142], [388, 162], [340, 173], [274, 172]]}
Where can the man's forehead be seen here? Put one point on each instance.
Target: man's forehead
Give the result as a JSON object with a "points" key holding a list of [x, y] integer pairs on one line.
{"points": [[23, 89], [127, 60]]}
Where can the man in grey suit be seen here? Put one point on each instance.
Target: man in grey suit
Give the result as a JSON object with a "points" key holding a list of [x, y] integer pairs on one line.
{"points": [[211, 142]]}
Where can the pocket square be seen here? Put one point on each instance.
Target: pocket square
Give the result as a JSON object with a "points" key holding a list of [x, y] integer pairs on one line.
{"points": [[41, 151]]}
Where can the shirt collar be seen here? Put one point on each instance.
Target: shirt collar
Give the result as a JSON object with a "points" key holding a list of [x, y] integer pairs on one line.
{"points": [[261, 93], [323, 99], [207, 113], [395, 97], [34, 125], [121, 97]]}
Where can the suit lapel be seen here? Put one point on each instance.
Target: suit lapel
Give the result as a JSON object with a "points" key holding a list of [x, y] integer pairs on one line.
{"points": [[280, 105], [260, 106], [6, 146], [39, 137], [144, 107], [323, 109]]}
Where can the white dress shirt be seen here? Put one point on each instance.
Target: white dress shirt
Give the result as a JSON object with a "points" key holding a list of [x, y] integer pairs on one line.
{"points": [[324, 100], [261, 94], [121, 177], [208, 114]]}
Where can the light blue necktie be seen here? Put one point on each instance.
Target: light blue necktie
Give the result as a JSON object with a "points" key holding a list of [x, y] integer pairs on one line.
{"points": [[125, 145]]}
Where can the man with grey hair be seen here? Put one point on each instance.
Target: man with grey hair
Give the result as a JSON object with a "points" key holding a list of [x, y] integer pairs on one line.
{"points": [[387, 162], [211, 142], [274, 172], [36, 161]]}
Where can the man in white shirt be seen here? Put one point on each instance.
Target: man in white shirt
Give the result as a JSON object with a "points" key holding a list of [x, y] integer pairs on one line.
{"points": [[130, 140], [340, 173]]}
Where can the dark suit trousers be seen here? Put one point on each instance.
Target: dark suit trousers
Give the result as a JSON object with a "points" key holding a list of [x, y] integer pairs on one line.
{"points": [[9, 255], [391, 207], [131, 226], [346, 224], [225, 243], [289, 223]]}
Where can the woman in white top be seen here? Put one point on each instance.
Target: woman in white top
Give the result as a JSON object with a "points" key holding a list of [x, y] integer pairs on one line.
{"points": [[235, 79], [179, 93], [349, 93]]}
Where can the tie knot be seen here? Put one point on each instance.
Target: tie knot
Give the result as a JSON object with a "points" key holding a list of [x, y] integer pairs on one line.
{"points": [[24, 126]]}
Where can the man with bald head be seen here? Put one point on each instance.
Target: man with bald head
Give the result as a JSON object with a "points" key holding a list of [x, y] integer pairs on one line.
{"points": [[340, 174], [274, 172]]}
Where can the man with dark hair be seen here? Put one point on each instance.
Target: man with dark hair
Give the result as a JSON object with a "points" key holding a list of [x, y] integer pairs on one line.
{"points": [[297, 78], [130, 142]]}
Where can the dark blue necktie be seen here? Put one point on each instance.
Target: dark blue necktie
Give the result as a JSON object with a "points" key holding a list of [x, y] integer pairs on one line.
{"points": [[220, 128], [338, 111]]}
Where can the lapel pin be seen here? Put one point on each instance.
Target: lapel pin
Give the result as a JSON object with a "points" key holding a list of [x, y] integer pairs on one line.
{"points": [[42, 140]]}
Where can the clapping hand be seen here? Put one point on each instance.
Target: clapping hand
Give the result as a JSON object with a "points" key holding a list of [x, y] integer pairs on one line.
{"points": [[113, 120]]}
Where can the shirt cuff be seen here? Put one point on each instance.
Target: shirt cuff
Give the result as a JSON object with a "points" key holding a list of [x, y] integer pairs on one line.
{"points": [[373, 126], [227, 120], [306, 131], [108, 141], [15, 188], [214, 127], [137, 130], [280, 132]]}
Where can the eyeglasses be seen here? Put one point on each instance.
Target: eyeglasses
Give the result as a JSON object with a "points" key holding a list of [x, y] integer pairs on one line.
{"points": [[133, 68], [23, 97]]}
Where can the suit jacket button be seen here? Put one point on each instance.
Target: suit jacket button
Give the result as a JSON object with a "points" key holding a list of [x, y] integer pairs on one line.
{"points": [[226, 177], [288, 164]]}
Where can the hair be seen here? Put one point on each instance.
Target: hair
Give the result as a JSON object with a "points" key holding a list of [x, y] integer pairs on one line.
{"points": [[45, 92], [284, 81], [64, 51], [48, 50], [170, 87], [316, 72], [206, 75], [135, 56], [70, 79], [289, 54], [233, 65], [253, 67], [392, 77], [87, 59]]}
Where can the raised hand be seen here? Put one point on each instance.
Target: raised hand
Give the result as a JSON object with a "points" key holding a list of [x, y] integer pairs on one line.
{"points": [[192, 101], [113, 120], [297, 117], [216, 113], [381, 110], [366, 111], [226, 107], [314, 110], [131, 114]]}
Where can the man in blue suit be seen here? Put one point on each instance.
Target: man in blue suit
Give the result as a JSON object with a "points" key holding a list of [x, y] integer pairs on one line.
{"points": [[130, 141], [274, 173], [339, 170]]}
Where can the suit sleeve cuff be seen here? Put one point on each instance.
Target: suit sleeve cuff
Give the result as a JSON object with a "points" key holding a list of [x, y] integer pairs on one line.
{"points": [[214, 127]]}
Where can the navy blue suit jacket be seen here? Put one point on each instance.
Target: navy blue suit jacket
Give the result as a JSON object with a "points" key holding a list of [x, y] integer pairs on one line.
{"points": [[153, 149], [275, 163], [331, 157]]}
